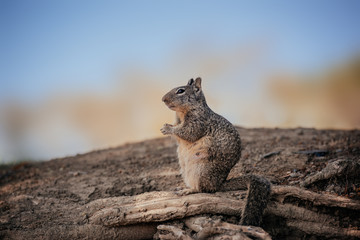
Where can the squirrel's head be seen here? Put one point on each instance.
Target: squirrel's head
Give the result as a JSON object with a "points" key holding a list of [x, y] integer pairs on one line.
{"points": [[185, 97]]}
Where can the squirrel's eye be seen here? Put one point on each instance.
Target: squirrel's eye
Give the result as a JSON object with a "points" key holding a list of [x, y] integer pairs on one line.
{"points": [[180, 91]]}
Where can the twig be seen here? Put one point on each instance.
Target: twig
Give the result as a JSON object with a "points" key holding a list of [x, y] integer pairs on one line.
{"points": [[270, 154]]}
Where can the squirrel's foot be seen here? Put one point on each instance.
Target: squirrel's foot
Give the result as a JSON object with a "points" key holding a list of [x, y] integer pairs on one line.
{"points": [[185, 192], [178, 189], [167, 129]]}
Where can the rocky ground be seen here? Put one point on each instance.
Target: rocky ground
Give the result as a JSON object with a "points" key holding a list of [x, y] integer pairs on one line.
{"points": [[39, 199]]}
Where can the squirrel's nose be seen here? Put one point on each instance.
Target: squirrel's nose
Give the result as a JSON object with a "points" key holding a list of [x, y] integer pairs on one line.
{"points": [[165, 99]]}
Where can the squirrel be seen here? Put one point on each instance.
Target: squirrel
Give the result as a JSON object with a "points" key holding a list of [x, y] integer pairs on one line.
{"points": [[208, 148]]}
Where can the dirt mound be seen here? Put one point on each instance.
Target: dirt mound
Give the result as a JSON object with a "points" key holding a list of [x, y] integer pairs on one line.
{"points": [[43, 200]]}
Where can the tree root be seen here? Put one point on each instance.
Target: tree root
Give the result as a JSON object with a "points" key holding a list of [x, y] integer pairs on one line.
{"points": [[166, 206], [282, 192], [336, 168], [208, 228], [168, 232], [310, 222], [159, 207], [323, 230]]}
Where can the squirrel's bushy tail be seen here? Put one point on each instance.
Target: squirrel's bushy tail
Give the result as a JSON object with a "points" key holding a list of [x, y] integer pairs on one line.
{"points": [[257, 197]]}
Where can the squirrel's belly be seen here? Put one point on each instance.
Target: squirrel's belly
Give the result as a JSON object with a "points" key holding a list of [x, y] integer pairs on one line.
{"points": [[192, 158]]}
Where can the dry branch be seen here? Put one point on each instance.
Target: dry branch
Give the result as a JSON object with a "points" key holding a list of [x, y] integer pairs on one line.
{"points": [[206, 226], [172, 232], [159, 207], [281, 192], [163, 206], [323, 230], [334, 169], [209, 228]]}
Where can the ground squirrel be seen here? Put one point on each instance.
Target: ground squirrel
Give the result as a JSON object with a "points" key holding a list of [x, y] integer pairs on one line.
{"points": [[208, 147]]}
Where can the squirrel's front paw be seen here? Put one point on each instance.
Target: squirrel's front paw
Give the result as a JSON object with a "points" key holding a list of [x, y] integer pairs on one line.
{"points": [[166, 129]]}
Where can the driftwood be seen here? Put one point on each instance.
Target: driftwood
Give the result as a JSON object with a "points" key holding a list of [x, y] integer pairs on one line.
{"points": [[282, 192], [208, 228], [333, 169], [159, 207], [285, 204]]}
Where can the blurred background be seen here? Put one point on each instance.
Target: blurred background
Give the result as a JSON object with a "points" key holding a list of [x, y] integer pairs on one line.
{"points": [[82, 75]]}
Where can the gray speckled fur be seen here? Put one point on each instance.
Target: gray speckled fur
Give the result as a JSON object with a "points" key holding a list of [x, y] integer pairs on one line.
{"points": [[196, 121]]}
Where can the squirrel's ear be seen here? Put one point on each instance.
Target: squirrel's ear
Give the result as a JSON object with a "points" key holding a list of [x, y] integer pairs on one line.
{"points": [[198, 84], [190, 82]]}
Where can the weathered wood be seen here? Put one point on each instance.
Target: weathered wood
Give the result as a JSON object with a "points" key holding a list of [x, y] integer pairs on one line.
{"points": [[323, 230], [159, 207], [205, 227], [163, 206], [309, 221], [281, 192], [336, 168], [172, 232], [209, 228]]}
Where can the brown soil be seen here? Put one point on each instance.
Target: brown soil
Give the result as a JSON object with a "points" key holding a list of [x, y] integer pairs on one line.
{"points": [[36, 198]]}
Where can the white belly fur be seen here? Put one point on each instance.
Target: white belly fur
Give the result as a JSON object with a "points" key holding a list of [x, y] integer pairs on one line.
{"points": [[192, 157]]}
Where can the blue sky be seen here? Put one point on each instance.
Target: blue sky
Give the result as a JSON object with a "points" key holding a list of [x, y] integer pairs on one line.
{"points": [[67, 50], [47, 46]]}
